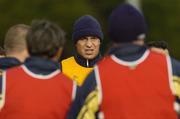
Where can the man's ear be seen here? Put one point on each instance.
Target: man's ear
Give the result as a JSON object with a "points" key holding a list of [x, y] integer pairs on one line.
{"points": [[139, 42], [58, 54]]}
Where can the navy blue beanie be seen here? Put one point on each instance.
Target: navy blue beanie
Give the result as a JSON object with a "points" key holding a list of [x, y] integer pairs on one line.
{"points": [[126, 24], [86, 26]]}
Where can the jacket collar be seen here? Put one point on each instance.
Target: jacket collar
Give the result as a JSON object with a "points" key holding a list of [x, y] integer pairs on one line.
{"points": [[128, 52], [41, 66], [8, 62], [85, 62]]}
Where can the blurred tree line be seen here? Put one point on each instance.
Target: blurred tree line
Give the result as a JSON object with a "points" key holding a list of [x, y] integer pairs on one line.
{"points": [[163, 17]]}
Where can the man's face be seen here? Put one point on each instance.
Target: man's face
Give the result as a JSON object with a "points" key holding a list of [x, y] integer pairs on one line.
{"points": [[88, 47]]}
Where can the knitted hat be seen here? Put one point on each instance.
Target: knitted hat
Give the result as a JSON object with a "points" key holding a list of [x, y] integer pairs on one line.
{"points": [[126, 24], [86, 26]]}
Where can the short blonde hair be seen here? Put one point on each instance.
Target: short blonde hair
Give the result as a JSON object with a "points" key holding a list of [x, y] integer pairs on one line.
{"points": [[15, 39]]}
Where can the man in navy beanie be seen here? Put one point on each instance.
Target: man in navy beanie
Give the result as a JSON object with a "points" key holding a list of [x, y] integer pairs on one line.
{"points": [[132, 82], [87, 37]]}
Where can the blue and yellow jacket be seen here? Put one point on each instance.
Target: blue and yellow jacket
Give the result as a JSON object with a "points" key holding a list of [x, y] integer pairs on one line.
{"points": [[77, 68]]}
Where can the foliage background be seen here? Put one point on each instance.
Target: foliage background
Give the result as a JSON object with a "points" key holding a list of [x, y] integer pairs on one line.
{"points": [[163, 17]]}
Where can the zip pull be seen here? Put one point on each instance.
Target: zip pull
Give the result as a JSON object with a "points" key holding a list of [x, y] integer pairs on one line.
{"points": [[87, 63]]}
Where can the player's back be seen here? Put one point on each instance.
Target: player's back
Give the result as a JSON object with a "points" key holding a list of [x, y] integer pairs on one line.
{"points": [[136, 90], [32, 96]]}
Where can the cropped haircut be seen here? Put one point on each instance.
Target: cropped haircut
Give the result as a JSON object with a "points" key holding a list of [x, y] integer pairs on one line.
{"points": [[158, 44], [45, 38], [15, 38]]}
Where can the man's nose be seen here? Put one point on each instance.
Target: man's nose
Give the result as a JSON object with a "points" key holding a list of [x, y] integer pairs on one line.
{"points": [[89, 43]]}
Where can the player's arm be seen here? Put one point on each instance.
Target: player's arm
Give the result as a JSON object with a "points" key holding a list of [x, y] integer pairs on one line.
{"points": [[176, 81], [85, 103]]}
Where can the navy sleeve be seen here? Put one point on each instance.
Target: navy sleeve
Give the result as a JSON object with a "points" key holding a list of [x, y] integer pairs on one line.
{"points": [[1, 81], [175, 67], [82, 93]]}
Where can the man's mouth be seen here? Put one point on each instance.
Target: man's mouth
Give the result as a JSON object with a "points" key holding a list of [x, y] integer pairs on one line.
{"points": [[89, 51]]}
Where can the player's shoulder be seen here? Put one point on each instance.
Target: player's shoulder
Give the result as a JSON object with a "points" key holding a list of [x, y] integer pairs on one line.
{"points": [[175, 66]]}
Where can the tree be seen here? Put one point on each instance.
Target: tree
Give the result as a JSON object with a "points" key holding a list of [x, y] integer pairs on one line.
{"points": [[164, 22], [63, 12]]}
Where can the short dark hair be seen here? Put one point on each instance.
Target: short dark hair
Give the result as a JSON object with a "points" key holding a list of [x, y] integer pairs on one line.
{"points": [[158, 44], [45, 38]]}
